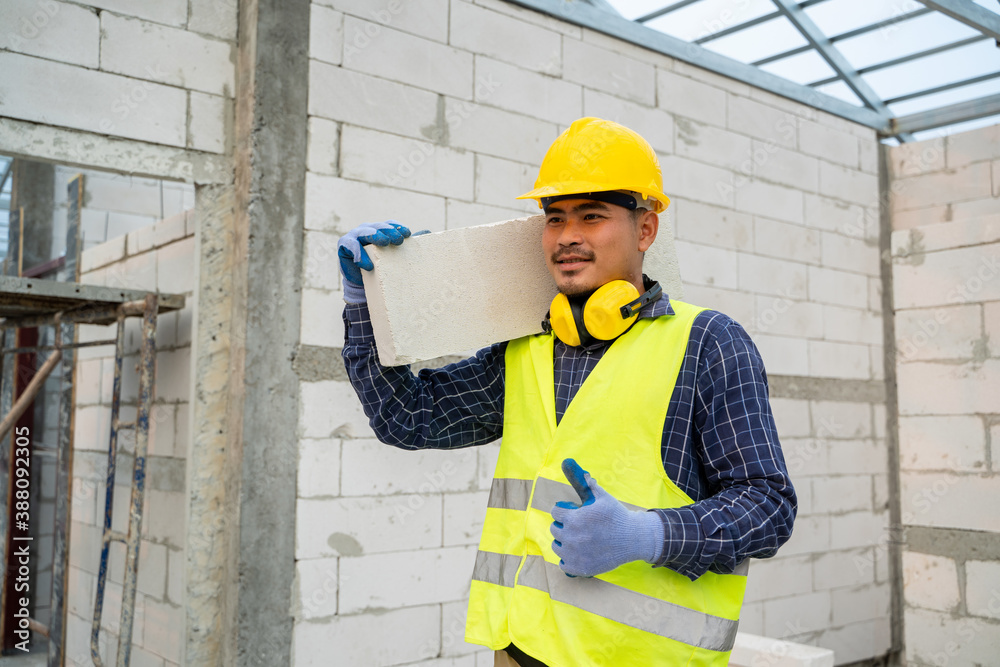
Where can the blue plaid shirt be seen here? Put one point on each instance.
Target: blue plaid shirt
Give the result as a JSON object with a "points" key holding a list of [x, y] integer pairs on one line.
{"points": [[719, 442]]}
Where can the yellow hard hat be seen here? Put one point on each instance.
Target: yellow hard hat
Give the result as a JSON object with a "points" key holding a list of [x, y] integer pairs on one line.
{"points": [[596, 155]]}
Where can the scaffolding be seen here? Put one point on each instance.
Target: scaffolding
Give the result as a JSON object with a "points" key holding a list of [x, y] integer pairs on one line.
{"points": [[27, 303]]}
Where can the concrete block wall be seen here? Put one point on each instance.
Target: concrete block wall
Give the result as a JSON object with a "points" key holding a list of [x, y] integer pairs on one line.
{"points": [[159, 257], [946, 279], [438, 114], [158, 72]]}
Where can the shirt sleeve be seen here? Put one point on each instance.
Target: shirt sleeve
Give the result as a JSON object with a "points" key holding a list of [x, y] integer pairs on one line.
{"points": [[458, 405], [751, 503]]}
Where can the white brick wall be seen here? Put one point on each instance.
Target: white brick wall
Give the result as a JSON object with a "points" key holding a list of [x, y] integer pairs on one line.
{"points": [[129, 261], [775, 210]]}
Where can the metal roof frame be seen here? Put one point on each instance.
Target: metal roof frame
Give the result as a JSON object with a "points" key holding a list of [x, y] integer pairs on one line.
{"points": [[599, 15]]}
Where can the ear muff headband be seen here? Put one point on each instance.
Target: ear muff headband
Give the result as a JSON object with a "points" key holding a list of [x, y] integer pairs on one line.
{"points": [[607, 313]]}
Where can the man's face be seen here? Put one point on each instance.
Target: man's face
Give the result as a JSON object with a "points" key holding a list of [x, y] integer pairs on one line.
{"points": [[589, 243]]}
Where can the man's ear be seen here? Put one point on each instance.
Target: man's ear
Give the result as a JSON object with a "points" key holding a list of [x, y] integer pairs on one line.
{"points": [[649, 224]]}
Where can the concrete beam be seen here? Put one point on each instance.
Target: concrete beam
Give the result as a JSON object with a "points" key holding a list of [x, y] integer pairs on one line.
{"points": [[76, 148], [460, 290]]}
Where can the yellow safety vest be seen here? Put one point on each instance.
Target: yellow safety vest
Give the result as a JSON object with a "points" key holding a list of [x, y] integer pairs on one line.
{"points": [[635, 614]]}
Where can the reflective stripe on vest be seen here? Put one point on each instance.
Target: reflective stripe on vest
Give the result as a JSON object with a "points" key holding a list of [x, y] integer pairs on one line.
{"points": [[634, 614], [636, 610]]}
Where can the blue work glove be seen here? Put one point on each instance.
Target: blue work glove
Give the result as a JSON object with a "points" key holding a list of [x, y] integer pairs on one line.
{"points": [[601, 533], [353, 256]]}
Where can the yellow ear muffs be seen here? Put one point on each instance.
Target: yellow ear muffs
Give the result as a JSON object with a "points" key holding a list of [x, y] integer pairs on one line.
{"points": [[562, 322], [602, 316]]}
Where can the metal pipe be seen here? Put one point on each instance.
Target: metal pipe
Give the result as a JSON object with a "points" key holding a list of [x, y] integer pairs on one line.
{"points": [[109, 494], [25, 399], [147, 376]]}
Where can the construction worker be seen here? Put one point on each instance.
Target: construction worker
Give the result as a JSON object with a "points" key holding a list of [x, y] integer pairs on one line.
{"points": [[643, 559]]}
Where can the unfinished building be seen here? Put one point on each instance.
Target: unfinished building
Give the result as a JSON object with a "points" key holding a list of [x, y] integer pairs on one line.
{"points": [[220, 148]]}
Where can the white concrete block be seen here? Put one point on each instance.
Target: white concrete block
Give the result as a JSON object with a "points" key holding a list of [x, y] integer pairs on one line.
{"points": [[691, 97], [319, 468], [338, 205], [786, 241], [483, 31], [948, 389], [53, 30], [166, 55], [868, 160], [962, 275], [731, 302], [324, 146], [943, 187], [315, 588], [608, 71], [838, 287], [464, 514], [772, 201], [209, 116], [791, 417], [828, 143], [973, 146], [930, 581], [850, 254], [169, 12], [491, 131], [764, 275], [353, 527], [918, 157], [152, 579], [182, 430], [627, 48], [427, 19], [841, 360], [849, 185], [982, 588], [499, 181], [851, 325], [778, 577], [834, 215], [784, 166], [318, 419], [453, 631], [857, 529], [36, 90], [461, 214], [837, 569], [705, 265], [164, 630], [798, 614], [102, 255], [321, 267], [811, 535], [841, 420], [405, 579], [386, 159], [975, 231], [175, 575], [751, 650], [805, 457], [162, 430], [711, 225], [175, 267], [526, 92], [847, 457], [173, 374], [783, 355], [937, 638], [760, 121], [655, 125], [532, 17], [842, 494], [213, 18], [950, 500], [945, 332], [163, 517], [387, 638], [322, 322], [375, 49], [368, 101], [708, 143], [326, 34], [751, 619], [373, 468], [696, 180], [88, 382], [92, 428], [781, 315], [405, 320]]}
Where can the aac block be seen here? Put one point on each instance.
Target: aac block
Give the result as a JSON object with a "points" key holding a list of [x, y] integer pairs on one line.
{"points": [[460, 290]]}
